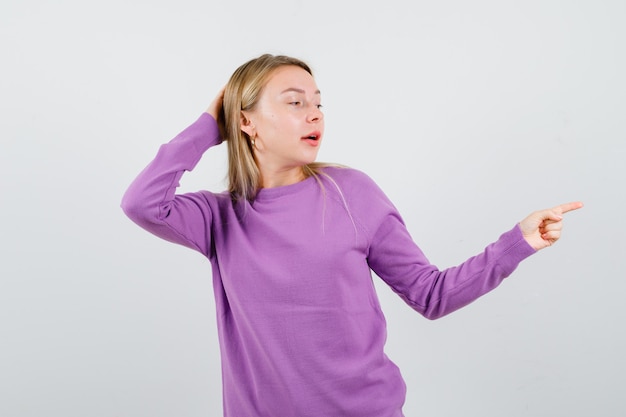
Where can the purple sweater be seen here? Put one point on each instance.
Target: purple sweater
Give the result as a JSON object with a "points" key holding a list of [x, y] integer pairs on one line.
{"points": [[300, 326]]}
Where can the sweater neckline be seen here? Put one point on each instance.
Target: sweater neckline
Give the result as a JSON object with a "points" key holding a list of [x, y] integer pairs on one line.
{"points": [[265, 194]]}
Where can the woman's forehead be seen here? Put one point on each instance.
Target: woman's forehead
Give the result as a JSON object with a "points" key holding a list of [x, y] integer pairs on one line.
{"points": [[293, 79]]}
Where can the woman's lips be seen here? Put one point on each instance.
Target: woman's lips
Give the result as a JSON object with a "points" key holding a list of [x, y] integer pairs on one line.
{"points": [[312, 138]]}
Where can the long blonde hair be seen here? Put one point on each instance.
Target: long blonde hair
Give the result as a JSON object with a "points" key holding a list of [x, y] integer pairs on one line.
{"points": [[242, 92]]}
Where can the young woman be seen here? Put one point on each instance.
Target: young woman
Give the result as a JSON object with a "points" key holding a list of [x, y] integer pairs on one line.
{"points": [[292, 244]]}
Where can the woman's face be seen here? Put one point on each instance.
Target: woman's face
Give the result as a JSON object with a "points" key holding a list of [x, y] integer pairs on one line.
{"points": [[287, 124]]}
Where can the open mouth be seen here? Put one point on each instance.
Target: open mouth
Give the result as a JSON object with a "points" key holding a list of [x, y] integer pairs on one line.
{"points": [[315, 136]]}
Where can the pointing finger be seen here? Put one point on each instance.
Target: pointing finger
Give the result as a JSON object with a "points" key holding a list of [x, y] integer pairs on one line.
{"points": [[564, 208]]}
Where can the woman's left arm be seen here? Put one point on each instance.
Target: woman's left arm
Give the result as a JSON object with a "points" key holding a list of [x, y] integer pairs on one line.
{"points": [[434, 293]]}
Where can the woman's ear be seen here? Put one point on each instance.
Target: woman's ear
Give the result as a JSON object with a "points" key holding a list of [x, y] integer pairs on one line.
{"points": [[246, 125]]}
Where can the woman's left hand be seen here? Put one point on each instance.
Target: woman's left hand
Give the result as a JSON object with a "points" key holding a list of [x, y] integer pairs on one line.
{"points": [[543, 228]]}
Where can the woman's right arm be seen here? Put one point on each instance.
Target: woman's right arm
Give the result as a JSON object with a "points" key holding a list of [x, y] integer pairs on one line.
{"points": [[151, 200]]}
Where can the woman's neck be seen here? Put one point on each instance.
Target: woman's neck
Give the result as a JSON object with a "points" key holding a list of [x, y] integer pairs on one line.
{"points": [[279, 178]]}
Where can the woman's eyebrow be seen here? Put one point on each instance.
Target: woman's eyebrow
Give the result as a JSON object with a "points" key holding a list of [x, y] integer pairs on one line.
{"points": [[297, 90]]}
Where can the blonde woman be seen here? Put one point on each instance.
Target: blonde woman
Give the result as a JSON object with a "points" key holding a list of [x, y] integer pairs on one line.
{"points": [[293, 243]]}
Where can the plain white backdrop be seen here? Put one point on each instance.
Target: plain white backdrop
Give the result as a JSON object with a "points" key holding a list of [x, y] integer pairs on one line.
{"points": [[470, 115]]}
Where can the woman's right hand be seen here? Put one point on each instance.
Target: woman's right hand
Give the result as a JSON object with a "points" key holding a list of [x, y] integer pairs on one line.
{"points": [[216, 110]]}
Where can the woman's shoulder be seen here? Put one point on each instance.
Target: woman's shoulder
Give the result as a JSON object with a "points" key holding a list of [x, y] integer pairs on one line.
{"points": [[359, 191], [216, 200], [352, 178]]}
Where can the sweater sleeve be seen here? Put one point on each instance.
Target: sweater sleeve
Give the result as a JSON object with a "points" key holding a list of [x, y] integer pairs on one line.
{"points": [[151, 200], [395, 258]]}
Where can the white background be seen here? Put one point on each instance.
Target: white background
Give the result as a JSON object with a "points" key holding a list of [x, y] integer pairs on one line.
{"points": [[469, 115]]}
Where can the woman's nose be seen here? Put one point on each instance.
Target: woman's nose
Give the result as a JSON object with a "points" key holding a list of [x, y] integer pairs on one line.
{"points": [[315, 115]]}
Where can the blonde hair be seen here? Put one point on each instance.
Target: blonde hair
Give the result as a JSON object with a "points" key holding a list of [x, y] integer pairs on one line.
{"points": [[242, 92]]}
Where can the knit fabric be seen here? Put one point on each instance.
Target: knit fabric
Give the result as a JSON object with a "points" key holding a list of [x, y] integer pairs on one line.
{"points": [[300, 325]]}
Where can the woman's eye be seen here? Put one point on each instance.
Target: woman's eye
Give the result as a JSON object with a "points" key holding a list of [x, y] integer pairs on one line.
{"points": [[319, 106], [296, 103]]}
